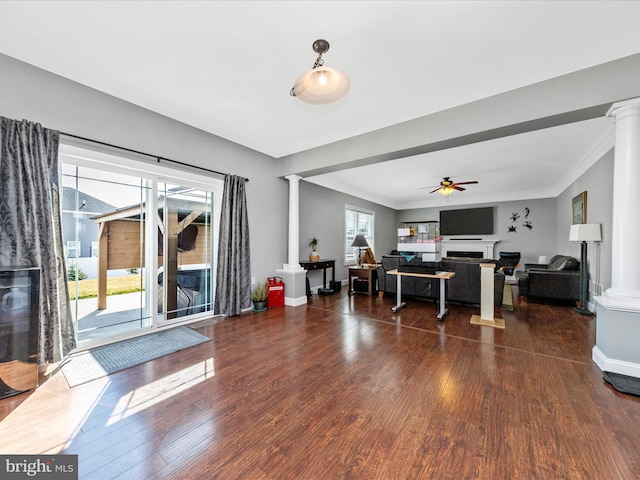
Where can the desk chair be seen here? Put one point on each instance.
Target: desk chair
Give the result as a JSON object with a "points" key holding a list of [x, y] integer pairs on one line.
{"points": [[508, 262]]}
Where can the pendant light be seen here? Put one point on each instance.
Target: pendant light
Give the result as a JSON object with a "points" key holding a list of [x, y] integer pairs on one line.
{"points": [[320, 84]]}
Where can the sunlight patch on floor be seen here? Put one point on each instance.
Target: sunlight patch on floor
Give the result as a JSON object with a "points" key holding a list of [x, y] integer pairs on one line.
{"points": [[155, 392]]}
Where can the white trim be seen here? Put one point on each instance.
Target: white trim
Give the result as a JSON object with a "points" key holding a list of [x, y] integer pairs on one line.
{"points": [[598, 149], [344, 223], [130, 163], [359, 209], [618, 303], [295, 302], [614, 366], [484, 246]]}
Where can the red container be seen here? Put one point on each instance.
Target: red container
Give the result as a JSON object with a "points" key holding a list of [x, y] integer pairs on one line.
{"points": [[275, 292]]}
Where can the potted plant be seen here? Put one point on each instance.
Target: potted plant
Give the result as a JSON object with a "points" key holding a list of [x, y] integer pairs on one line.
{"points": [[314, 256], [259, 297]]}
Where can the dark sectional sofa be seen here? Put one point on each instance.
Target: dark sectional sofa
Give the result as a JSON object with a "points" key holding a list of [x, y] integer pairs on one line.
{"points": [[463, 288]]}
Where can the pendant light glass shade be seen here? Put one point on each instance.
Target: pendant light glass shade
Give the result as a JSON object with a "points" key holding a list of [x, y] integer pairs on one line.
{"points": [[321, 85]]}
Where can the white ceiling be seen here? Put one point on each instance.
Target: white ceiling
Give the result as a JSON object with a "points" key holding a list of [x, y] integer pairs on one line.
{"points": [[227, 68]]}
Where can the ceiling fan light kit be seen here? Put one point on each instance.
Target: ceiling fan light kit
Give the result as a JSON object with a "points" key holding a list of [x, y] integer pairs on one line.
{"points": [[321, 84], [447, 187]]}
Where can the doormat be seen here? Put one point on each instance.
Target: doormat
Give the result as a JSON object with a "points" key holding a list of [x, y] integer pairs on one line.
{"points": [[623, 383], [102, 361]]}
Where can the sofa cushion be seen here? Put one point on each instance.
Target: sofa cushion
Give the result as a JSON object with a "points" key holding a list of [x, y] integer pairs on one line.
{"points": [[563, 262]]}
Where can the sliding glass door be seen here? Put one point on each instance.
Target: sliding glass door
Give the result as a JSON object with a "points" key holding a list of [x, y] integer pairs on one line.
{"points": [[139, 248], [185, 250], [104, 232]]}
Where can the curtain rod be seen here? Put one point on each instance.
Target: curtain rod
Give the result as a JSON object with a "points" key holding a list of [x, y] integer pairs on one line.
{"points": [[157, 157]]}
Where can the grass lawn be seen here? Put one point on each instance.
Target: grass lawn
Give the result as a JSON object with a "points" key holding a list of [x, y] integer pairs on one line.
{"points": [[115, 286]]}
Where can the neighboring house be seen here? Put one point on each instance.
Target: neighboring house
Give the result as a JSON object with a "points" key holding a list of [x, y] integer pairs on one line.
{"points": [[83, 242]]}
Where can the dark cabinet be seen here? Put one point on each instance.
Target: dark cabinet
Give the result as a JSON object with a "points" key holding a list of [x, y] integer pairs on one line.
{"points": [[19, 312]]}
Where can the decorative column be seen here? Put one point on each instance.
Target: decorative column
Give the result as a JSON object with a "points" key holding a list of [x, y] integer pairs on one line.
{"points": [[293, 262], [618, 309], [625, 280], [292, 273]]}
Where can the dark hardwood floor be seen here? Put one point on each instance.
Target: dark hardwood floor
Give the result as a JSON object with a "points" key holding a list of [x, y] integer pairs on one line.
{"points": [[344, 388]]}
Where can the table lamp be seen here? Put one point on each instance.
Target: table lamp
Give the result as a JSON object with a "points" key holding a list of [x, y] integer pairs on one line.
{"points": [[360, 242]]}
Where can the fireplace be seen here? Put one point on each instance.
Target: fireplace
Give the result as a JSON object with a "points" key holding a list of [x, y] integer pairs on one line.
{"points": [[463, 253], [470, 247]]}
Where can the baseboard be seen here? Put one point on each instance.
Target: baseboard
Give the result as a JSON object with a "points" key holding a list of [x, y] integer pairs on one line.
{"points": [[295, 302], [615, 366]]}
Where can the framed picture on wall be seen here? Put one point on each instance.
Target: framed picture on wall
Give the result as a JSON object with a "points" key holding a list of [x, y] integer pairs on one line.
{"points": [[579, 208]]}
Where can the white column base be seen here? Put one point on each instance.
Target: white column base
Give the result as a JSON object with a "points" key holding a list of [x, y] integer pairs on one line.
{"points": [[617, 333], [612, 365], [295, 302], [295, 286]]}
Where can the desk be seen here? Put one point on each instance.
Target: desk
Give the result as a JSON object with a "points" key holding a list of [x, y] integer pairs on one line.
{"points": [[443, 276], [362, 272], [320, 265]]}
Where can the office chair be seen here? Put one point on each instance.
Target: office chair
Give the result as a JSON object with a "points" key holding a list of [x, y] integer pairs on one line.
{"points": [[508, 262]]}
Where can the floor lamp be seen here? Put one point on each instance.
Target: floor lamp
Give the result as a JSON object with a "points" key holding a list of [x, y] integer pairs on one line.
{"points": [[585, 232], [360, 242]]}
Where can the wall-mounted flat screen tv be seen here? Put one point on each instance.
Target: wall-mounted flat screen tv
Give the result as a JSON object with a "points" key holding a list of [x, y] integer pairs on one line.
{"points": [[469, 221]]}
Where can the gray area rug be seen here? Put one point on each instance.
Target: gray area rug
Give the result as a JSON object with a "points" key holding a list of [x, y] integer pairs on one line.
{"points": [[102, 361], [623, 383]]}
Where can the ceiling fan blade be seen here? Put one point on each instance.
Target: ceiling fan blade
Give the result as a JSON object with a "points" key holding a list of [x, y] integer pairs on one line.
{"points": [[434, 191], [458, 188], [466, 183], [430, 186]]}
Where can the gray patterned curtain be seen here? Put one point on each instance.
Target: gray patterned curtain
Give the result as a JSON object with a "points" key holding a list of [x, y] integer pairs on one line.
{"points": [[233, 285], [30, 226]]}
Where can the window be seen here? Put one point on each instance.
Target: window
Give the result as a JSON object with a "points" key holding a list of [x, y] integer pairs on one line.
{"points": [[73, 249], [357, 222]]}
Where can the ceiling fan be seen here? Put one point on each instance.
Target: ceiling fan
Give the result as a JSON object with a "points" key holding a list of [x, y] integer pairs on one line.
{"points": [[446, 186]]}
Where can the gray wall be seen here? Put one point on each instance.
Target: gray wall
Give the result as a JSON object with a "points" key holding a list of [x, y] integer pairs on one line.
{"points": [[322, 216], [598, 183], [27, 92], [532, 242], [30, 93], [551, 220]]}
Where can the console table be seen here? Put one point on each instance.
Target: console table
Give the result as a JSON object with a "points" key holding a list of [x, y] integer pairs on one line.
{"points": [[443, 276], [320, 265]]}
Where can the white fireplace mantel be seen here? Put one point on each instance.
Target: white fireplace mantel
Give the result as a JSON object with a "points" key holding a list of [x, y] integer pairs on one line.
{"points": [[472, 245]]}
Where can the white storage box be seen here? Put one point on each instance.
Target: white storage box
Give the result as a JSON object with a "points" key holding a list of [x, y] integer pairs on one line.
{"points": [[432, 257]]}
